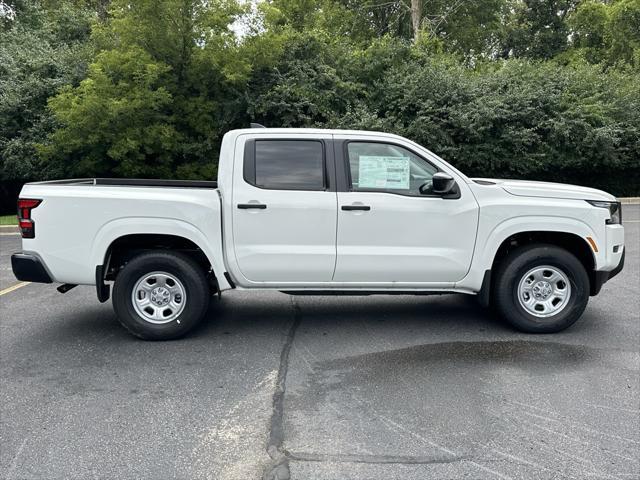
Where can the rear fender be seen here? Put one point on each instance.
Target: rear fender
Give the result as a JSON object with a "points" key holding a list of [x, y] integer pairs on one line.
{"points": [[121, 227]]}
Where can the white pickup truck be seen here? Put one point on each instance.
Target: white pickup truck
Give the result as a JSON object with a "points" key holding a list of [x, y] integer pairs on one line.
{"points": [[310, 211]]}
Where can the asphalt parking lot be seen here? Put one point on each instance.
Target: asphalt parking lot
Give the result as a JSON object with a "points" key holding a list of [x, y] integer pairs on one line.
{"points": [[319, 388]]}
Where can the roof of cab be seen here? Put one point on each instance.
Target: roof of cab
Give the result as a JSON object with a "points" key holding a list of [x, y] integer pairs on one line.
{"points": [[315, 131]]}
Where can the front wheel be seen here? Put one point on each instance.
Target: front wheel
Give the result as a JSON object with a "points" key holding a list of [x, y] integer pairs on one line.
{"points": [[160, 295], [541, 289]]}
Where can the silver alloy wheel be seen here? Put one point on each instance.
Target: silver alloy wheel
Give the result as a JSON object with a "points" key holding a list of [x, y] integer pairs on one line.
{"points": [[158, 297], [544, 291]]}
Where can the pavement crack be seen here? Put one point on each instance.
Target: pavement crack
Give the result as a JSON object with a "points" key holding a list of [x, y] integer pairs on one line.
{"points": [[278, 469], [371, 459]]}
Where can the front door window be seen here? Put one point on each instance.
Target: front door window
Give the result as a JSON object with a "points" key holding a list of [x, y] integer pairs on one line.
{"points": [[384, 167]]}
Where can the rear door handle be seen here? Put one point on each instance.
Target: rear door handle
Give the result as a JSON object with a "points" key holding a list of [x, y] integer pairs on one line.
{"points": [[247, 206], [350, 208]]}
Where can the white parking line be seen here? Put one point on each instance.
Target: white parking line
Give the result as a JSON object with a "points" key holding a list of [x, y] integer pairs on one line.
{"points": [[4, 234], [13, 288]]}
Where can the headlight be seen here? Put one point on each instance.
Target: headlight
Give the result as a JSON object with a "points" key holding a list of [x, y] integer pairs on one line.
{"points": [[615, 210]]}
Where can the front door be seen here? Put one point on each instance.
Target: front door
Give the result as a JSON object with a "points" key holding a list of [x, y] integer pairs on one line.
{"points": [[389, 232], [284, 211]]}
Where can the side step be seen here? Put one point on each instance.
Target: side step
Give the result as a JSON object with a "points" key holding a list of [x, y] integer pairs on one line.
{"points": [[358, 293], [64, 288]]}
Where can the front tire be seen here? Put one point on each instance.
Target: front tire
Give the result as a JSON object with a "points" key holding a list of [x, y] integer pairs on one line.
{"points": [[160, 295], [541, 289]]}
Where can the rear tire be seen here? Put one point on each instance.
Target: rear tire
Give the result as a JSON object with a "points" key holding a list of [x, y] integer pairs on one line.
{"points": [[160, 295], [541, 289]]}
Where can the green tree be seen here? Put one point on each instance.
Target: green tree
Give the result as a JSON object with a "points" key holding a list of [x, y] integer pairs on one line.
{"points": [[623, 30], [517, 119], [545, 89], [116, 120], [536, 28], [607, 33], [305, 87], [589, 30], [41, 50], [468, 27], [165, 84]]}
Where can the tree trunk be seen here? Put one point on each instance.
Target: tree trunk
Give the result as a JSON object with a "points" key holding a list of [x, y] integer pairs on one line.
{"points": [[416, 16]]}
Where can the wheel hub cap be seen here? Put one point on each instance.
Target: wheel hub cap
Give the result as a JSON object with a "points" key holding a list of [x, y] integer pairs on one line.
{"points": [[544, 291], [158, 297]]}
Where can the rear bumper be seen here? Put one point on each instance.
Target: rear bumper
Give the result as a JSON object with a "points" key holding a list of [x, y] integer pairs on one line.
{"points": [[600, 278], [29, 268]]}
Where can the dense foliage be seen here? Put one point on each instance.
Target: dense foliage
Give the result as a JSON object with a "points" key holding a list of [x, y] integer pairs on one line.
{"points": [[41, 51], [540, 89]]}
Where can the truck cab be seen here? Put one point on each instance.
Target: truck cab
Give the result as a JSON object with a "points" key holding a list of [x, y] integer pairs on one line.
{"points": [[342, 210]]}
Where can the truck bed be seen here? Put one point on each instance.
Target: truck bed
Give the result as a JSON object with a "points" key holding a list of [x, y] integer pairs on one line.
{"points": [[132, 182], [78, 219]]}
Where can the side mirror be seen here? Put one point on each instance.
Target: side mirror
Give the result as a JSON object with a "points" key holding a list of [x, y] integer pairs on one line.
{"points": [[443, 183]]}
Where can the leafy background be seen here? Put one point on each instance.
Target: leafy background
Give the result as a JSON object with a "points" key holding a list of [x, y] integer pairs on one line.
{"points": [[537, 89]]}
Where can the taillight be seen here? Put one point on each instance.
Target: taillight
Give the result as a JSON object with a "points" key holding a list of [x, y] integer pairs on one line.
{"points": [[27, 226]]}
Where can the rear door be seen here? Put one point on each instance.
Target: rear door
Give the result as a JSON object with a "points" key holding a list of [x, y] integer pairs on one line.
{"points": [[391, 233], [284, 208]]}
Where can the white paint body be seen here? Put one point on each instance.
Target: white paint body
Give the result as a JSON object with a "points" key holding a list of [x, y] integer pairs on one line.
{"points": [[303, 240]]}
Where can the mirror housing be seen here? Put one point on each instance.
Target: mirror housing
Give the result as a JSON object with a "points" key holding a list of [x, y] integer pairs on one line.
{"points": [[443, 183]]}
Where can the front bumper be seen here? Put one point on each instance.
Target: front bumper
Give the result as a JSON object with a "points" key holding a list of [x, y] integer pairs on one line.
{"points": [[613, 247], [600, 278], [29, 268]]}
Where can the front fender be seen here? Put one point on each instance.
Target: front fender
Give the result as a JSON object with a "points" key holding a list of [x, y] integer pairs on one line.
{"points": [[486, 250], [512, 226]]}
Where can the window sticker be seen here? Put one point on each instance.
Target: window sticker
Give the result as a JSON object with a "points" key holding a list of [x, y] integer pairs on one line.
{"points": [[384, 172]]}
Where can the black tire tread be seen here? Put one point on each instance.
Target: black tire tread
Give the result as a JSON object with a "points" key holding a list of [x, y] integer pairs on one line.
{"points": [[509, 272], [198, 295]]}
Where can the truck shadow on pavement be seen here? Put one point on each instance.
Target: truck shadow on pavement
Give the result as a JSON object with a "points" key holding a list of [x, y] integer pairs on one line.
{"points": [[241, 314]]}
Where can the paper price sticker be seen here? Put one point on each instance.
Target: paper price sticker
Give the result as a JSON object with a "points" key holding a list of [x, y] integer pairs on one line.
{"points": [[384, 172]]}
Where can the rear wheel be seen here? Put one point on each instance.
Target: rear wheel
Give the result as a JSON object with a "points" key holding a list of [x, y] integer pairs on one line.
{"points": [[160, 295], [541, 289]]}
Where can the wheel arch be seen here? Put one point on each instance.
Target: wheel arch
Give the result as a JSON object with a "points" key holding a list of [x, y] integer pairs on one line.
{"points": [[143, 233], [572, 242], [123, 248]]}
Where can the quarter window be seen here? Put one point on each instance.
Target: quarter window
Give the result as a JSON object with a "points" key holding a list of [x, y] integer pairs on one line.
{"points": [[289, 165], [384, 167]]}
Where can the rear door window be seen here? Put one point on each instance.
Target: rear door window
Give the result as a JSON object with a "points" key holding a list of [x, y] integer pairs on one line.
{"points": [[288, 165]]}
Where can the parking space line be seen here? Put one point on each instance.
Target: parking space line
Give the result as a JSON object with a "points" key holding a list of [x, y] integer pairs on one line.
{"points": [[13, 287], [4, 234]]}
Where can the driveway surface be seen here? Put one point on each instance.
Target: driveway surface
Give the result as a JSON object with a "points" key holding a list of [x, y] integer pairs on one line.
{"points": [[273, 386]]}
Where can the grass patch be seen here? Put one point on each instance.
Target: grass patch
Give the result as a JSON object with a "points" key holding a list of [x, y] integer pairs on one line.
{"points": [[8, 220]]}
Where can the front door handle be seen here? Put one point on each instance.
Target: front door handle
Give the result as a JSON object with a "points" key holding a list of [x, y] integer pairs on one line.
{"points": [[351, 208], [247, 206]]}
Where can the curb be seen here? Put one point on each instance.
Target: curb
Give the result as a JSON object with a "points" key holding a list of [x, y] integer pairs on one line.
{"points": [[8, 230]]}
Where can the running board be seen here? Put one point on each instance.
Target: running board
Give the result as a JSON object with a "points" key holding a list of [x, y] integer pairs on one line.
{"points": [[64, 288], [369, 292]]}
